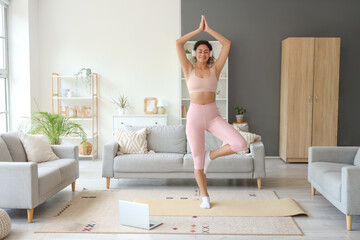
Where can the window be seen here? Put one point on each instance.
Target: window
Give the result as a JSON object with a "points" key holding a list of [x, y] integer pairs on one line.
{"points": [[4, 73]]}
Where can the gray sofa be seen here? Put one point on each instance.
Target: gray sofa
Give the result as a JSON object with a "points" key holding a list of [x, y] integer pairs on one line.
{"points": [[335, 173], [25, 185], [173, 158]]}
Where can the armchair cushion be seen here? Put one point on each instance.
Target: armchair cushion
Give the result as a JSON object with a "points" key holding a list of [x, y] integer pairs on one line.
{"points": [[15, 147], [37, 148], [49, 178], [4, 152], [328, 175], [66, 166]]}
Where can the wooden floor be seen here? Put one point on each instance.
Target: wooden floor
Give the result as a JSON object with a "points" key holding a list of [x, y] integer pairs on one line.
{"points": [[286, 179]]}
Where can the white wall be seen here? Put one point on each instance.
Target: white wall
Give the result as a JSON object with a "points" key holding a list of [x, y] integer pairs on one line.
{"points": [[34, 56], [130, 43]]}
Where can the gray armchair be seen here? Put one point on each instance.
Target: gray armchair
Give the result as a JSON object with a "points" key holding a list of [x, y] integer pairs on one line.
{"points": [[335, 173], [25, 185]]}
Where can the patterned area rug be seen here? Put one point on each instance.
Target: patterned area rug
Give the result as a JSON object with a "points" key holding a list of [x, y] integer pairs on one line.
{"points": [[97, 212]]}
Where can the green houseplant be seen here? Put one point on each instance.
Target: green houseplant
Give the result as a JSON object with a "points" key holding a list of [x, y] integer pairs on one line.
{"points": [[188, 54], [240, 111], [54, 126], [87, 73], [122, 103]]}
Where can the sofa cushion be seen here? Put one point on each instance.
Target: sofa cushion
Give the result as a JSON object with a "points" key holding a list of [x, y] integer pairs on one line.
{"points": [[49, 178], [158, 162], [131, 141], [164, 139], [4, 152], [357, 158], [328, 176], [211, 142], [37, 148], [67, 167], [235, 163], [14, 146]]}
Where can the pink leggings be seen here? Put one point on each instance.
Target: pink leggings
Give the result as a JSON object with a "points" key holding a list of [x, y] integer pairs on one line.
{"points": [[207, 117]]}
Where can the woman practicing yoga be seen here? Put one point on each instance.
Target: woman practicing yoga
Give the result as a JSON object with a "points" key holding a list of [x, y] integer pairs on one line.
{"points": [[203, 114]]}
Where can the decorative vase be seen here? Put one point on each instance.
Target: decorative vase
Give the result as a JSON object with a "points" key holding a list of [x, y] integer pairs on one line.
{"points": [[161, 110], [121, 111], [239, 118], [85, 148]]}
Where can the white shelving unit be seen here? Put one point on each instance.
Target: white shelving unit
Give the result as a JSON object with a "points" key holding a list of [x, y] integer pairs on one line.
{"points": [[222, 98], [85, 94]]}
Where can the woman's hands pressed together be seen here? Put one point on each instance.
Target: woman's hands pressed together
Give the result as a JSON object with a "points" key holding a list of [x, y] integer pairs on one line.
{"points": [[203, 24]]}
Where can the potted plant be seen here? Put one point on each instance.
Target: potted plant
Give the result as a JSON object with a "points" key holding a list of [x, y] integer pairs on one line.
{"points": [[240, 111], [55, 126], [86, 74], [188, 54], [122, 103]]}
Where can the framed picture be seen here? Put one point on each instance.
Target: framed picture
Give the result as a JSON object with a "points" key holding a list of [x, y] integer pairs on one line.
{"points": [[150, 105]]}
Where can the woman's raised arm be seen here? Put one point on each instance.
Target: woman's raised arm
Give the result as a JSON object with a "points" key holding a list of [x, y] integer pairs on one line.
{"points": [[184, 62], [220, 62]]}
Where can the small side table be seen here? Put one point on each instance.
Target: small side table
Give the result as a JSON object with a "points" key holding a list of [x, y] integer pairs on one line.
{"points": [[243, 126]]}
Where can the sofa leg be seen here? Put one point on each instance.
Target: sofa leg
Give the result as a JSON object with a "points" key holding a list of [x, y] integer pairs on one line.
{"points": [[348, 222], [107, 183], [312, 190], [73, 186], [259, 183], [30, 214]]}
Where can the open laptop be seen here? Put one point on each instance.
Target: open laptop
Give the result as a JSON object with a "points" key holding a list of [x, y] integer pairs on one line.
{"points": [[136, 215]]}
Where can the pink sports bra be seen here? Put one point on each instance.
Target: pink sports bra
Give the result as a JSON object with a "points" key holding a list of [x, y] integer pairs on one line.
{"points": [[197, 84]]}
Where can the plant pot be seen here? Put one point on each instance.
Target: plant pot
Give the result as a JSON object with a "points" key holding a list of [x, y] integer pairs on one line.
{"points": [[121, 111], [239, 118], [85, 149]]}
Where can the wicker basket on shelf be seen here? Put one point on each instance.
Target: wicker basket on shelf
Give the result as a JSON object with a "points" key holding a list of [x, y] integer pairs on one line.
{"points": [[85, 148]]}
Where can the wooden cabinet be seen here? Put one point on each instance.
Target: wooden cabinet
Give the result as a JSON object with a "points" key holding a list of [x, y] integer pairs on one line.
{"points": [[309, 95]]}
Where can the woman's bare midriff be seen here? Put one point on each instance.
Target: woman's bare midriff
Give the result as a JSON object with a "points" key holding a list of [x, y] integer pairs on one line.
{"points": [[202, 97]]}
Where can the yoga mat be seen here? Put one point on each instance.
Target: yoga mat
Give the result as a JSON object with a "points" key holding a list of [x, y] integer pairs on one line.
{"points": [[225, 208]]}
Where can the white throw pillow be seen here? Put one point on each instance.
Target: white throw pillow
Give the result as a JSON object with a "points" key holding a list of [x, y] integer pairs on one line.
{"points": [[37, 148], [131, 142], [249, 137]]}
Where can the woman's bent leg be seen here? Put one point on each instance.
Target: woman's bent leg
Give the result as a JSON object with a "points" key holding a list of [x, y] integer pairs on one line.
{"points": [[227, 133]]}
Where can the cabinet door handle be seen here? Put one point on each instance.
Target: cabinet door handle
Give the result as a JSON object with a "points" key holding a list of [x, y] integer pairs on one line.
{"points": [[316, 98], [122, 123], [310, 98], [156, 123]]}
